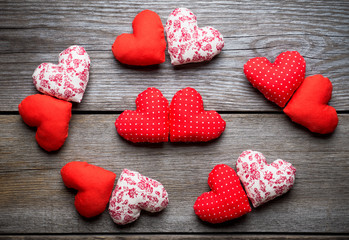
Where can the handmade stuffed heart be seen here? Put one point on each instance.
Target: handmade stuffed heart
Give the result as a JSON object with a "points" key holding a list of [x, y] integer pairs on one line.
{"points": [[187, 42], [94, 185], [309, 108], [68, 79], [51, 116], [149, 123], [146, 46], [227, 200], [188, 120], [133, 193], [277, 81], [264, 182]]}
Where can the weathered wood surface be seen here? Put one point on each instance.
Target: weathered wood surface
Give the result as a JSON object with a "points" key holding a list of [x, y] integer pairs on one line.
{"points": [[33, 199]]}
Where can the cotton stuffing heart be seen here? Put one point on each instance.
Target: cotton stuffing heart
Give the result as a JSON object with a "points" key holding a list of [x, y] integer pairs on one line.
{"points": [[133, 193], [94, 185], [51, 116], [68, 79]]}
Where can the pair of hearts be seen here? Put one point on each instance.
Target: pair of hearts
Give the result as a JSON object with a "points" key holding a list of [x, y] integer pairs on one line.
{"points": [[185, 120], [262, 182], [283, 79], [133, 192], [186, 41]]}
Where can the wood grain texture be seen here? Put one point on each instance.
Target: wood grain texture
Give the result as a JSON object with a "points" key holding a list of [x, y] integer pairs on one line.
{"points": [[33, 198], [317, 29]]}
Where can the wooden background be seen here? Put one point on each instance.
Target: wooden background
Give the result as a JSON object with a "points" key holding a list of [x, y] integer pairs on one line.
{"points": [[34, 203]]}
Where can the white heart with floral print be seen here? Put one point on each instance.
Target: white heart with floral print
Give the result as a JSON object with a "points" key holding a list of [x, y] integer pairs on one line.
{"points": [[264, 182], [187, 43], [68, 79]]}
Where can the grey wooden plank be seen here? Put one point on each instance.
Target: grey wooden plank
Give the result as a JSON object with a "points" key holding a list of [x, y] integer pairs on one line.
{"points": [[33, 198], [317, 29]]}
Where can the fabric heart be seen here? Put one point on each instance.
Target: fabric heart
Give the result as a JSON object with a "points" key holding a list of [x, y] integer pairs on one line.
{"points": [[277, 81], [149, 123], [187, 42], [133, 193], [188, 120], [94, 185], [309, 108], [146, 46], [68, 79], [264, 182], [226, 201], [51, 116]]}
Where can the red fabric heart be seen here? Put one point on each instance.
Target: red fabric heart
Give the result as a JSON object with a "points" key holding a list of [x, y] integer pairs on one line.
{"points": [[226, 201], [149, 123], [189, 122], [94, 185], [51, 116], [146, 46], [277, 81], [308, 107]]}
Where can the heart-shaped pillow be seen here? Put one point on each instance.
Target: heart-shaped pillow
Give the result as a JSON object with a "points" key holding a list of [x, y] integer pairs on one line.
{"points": [[309, 108], [51, 116], [187, 43], [94, 185], [133, 193], [227, 200], [68, 79], [264, 182], [149, 123], [277, 81], [189, 122], [146, 45]]}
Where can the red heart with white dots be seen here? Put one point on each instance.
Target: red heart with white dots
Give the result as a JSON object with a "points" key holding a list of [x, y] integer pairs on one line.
{"points": [[149, 123], [226, 201], [277, 81], [189, 122]]}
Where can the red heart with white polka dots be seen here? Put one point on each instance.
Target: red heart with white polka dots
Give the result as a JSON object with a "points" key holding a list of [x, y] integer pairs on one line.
{"points": [[226, 201], [149, 123], [188, 120], [277, 81]]}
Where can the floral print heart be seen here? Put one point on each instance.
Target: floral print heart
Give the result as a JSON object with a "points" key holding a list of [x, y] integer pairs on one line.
{"points": [[187, 42], [68, 79]]}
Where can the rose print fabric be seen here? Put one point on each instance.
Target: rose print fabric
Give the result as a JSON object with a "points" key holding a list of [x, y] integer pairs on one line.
{"points": [[264, 182], [187, 42], [134, 192], [68, 79]]}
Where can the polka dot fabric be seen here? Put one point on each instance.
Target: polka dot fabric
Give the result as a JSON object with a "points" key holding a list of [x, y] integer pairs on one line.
{"points": [[277, 81], [149, 123], [188, 120], [226, 201]]}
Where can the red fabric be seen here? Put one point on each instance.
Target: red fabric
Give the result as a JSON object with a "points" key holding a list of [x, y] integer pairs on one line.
{"points": [[308, 107], [94, 185], [277, 81], [188, 120], [149, 123], [146, 46], [226, 201], [51, 116]]}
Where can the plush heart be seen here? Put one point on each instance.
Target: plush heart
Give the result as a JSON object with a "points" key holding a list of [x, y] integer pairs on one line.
{"points": [[188, 120], [94, 185], [264, 182], [187, 42], [68, 79], [149, 123], [277, 81], [51, 116], [133, 193], [227, 200], [146, 46], [309, 108]]}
